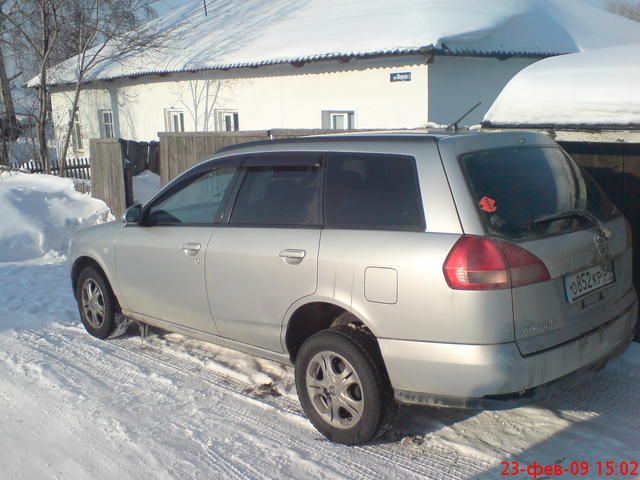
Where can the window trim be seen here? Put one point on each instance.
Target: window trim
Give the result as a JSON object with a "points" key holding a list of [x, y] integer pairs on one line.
{"points": [[220, 114], [327, 117], [103, 124], [380, 228], [168, 124], [76, 131]]}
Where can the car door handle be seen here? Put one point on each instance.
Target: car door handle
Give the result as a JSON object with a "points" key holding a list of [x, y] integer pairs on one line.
{"points": [[191, 249], [292, 256]]}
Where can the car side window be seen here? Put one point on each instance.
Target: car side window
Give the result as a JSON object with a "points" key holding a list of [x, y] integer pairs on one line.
{"points": [[279, 195], [373, 191], [197, 203]]}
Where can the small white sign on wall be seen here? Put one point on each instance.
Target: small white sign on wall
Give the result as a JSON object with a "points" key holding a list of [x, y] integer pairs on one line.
{"points": [[400, 77]]}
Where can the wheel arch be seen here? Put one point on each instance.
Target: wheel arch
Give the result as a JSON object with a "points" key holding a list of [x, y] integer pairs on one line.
{"points": [[84, 261], [312, 315]]}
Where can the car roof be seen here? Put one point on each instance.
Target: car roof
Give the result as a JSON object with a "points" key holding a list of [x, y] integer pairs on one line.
{"points": [[432, 135]]}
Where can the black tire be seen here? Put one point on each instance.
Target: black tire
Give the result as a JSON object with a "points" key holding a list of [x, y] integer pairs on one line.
{"points": [[361, 350], [106, 327]]}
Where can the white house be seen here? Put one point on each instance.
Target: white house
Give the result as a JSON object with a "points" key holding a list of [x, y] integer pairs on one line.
{"points": [[251, 64]]}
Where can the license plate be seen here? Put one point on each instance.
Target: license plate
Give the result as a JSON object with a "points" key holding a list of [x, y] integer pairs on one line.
{"points": [[580, 284]]}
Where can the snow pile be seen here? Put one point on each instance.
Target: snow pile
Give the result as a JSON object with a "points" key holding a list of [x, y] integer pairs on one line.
{"points": [[145, 185], [254, 32], [600, 87], [39, 213]]}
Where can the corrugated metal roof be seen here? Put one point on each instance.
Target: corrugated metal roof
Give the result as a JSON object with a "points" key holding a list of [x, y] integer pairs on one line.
{"points": [[254, 33]]}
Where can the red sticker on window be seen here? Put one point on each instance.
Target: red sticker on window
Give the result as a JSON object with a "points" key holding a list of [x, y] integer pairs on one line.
{"points": [[488, 204]]}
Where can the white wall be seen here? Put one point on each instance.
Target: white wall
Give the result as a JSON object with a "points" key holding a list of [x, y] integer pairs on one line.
{"points": [[283, 96], [279, 96], [457, 83]]}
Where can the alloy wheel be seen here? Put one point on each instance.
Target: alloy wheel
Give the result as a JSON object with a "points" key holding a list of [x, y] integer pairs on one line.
{"points": [[335, 389], [93, 303]]}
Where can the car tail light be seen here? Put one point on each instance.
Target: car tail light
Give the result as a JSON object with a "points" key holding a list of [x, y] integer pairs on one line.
{"points": [[480, 263]]}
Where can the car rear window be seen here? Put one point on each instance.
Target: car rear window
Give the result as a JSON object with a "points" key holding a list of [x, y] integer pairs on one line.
{"points": [[516, 187]]}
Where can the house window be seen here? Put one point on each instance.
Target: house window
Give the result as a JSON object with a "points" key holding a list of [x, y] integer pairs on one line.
{"points": [[174, 120], [228, 121], [76, 131], [338, 119], [106, 123]]}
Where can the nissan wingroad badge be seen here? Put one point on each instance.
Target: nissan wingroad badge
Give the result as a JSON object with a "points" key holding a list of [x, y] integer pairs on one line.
{"points": [[602, 245]]}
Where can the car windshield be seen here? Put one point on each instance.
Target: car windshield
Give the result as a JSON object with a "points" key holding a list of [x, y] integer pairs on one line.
{"points": [[531, 192]]}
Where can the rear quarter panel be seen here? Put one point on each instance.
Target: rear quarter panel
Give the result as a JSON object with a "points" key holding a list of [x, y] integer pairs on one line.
{"points": [[360, 269]]}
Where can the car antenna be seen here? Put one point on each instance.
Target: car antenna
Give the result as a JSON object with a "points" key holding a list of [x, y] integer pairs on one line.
{"points": [[453, 127]]}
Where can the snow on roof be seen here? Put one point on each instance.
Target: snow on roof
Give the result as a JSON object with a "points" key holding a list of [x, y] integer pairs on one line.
{"points": [[244, 33], [595, 88]]}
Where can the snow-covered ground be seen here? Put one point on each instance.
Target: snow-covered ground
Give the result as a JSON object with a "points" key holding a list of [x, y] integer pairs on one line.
{"points": [[73, 407]]}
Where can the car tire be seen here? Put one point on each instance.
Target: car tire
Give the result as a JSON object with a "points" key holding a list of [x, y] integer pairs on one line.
{"points": [[96, 303], [343, 385]]}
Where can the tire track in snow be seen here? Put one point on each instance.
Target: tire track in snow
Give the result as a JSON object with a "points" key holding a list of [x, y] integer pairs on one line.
{"points": [[78, 357], [82, 350], [437, 458]]}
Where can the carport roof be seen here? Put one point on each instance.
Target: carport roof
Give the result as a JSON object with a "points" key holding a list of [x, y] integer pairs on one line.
{"points": [[596, 89]]}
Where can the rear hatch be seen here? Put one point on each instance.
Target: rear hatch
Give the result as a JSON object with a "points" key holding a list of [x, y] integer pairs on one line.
{"points": [[538, 198]]}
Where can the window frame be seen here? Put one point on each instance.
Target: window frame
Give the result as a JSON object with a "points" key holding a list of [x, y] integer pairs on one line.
{"points": [[221, 114], [187, 178], [168, 119], [103, 124], [77, 140], [328, 116], [385, 228]]}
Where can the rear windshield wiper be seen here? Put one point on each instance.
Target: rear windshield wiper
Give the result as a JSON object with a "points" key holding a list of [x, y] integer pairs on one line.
{"points": [[578, 212]]}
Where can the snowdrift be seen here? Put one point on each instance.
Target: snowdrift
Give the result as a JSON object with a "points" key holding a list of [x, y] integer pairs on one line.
{"points": [[40, 213]]}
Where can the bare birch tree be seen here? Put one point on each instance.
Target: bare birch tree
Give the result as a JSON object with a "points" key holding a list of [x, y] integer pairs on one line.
{"points": [[102, 31], [625, 8], [70, 38], [36, 25], [201, 103]]}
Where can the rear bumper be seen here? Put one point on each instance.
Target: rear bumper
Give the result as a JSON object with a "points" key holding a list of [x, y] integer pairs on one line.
{"points": [[459, 375]]}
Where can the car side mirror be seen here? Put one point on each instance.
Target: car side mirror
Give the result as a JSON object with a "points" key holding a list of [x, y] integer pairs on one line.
{"points": [[133, 214]]}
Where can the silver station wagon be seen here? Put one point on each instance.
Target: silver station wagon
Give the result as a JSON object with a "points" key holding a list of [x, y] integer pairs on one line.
{"points": [[422, 268]]}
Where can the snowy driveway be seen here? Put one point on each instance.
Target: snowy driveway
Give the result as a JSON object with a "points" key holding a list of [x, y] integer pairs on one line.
{"points": [[72, 407]]}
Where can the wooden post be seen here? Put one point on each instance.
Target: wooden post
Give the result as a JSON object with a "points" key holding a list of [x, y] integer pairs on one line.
{"points": [[107, 174]]}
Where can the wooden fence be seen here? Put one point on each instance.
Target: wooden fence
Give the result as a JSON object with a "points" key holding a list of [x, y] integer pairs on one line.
{"points": [[108, 180], [79, 168], [179, 151], [112, 182]]}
